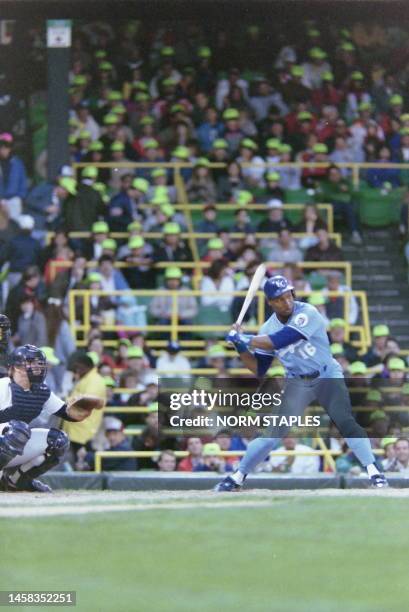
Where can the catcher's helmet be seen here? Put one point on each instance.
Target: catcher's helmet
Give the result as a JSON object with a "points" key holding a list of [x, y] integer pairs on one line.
{"points": [[32, 359], [276, 286]]}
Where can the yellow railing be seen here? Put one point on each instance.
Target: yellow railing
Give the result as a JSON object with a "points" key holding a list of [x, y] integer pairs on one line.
{"points": [[335, 236], [175, 327], [322, 452], [346, 266], [176, 166]]}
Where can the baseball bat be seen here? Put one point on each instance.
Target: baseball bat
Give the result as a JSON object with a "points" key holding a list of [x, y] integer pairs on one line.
{"points": [[251, 291]]}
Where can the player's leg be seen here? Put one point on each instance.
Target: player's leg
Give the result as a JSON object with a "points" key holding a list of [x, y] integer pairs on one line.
{"points": [[295, 398], [44, 450], [14, 437], [333, 395]]}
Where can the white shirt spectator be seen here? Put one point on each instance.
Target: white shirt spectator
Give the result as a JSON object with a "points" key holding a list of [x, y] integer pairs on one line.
{"points": [[300, 465], [225, 288], [172, 365]]}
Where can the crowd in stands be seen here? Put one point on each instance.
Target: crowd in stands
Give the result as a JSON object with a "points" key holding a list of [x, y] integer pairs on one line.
{"points": [[162, 95]]}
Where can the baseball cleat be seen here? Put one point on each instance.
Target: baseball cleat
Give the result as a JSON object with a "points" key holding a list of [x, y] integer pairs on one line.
{"points": [[28, 485], [227, 485], [379, 481]]}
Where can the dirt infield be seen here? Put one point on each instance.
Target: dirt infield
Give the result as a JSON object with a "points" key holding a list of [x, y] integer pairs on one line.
{"points": [[78, 502]]}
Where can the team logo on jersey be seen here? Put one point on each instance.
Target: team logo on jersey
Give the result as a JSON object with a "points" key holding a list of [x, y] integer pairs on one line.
{"points": [[301, 320]]}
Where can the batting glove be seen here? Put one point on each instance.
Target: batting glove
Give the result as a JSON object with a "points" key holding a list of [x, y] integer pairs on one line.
{"points": [[240, 341]]}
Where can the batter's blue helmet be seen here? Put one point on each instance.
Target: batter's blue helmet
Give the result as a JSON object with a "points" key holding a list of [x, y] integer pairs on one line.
{"points": [[276, 286]]}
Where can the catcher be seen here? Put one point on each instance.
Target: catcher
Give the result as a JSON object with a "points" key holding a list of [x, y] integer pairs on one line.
{"points": [[26, 453]]}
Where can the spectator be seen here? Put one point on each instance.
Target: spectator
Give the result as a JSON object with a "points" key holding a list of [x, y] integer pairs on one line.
{"points": [[285, 249], [229, 184], [173, 362], [337, 333], [30, 285], [336, 190], [22, 251], [139, 272], [289, 176], [218, 278], [401, 461], [45, 202], [388, 445], [111, 278], [377, 177], [374, 355], [242, 222], [209, 223], [88, 381], [210, 130], [324, 250], [167, 461], [31, 324], [194, 447], [211, 460], [336, 305], [315, 67], [201, 188], [172, 248], [123, 207], [59, 337], [117, 441], [161, 305], [275, 221], [293, 464], [13, 178], [272, 191], [216, 357], [82, 208], [253, 167], [56, 255]]}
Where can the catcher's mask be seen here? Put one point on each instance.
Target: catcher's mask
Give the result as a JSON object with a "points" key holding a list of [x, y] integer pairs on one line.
{"points": [[32, 359]]}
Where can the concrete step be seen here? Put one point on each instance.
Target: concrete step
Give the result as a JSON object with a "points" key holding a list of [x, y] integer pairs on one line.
{"points": [[378, 318], [374, 293], [386, 308]]}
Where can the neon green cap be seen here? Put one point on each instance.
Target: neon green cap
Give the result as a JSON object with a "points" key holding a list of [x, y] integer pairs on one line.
{"points": [[171, 228], [90, 172], [69, 184], [96, 145], [100, 227], [136, 242], [173, 272], [141, 184], [214, 244]]}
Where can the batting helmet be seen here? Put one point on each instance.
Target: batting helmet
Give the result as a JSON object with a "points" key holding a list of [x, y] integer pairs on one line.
{"points": [[276, 286], [32, 359]]}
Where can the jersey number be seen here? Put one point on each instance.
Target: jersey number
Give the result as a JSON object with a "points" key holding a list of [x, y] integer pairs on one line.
{"points": [[308, 350]]}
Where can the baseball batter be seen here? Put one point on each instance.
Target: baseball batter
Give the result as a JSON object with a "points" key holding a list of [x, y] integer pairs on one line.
{"points": [[26, 453], [296, 334]]}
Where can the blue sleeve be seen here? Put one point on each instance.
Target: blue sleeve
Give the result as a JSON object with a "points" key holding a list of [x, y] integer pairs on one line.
{"points": [[307, 321], [286, 336], [263, 363]]}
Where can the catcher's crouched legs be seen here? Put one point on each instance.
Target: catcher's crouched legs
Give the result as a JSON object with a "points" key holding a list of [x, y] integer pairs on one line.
{"points": [[45, 450], [13, 440]]}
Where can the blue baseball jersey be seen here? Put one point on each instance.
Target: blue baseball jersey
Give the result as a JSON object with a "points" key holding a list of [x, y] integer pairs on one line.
{"points": [[305, 356]]}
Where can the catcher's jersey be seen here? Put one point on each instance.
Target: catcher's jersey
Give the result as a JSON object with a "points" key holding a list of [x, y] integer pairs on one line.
{"points": [[15, 403], [305, 356]]}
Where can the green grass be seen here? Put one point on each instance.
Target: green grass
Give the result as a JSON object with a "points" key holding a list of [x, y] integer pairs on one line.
{"points": [[299, 555]]}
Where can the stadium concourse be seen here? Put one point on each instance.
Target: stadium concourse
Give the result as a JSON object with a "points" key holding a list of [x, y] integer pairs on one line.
{"points": [[194, 155]]}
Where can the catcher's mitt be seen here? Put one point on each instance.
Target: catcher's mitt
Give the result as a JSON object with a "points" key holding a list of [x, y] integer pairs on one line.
{"points": [[80, 407]]}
